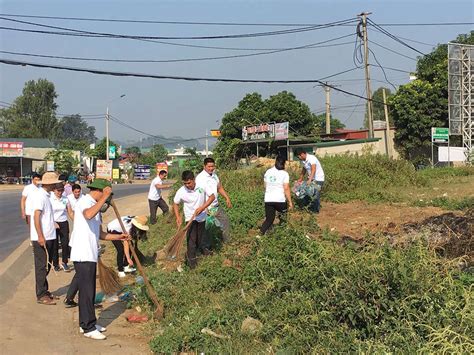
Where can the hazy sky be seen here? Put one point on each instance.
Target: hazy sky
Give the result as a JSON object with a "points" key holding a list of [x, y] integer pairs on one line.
{"points": [[187, 108]]}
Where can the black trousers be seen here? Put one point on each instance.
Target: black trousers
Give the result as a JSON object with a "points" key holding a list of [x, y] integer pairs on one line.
{"points": [[62, 233], [121, 259], [270, 210], [86, 272], [154, 207], [73, 288], [196, 240], [41, 269]]}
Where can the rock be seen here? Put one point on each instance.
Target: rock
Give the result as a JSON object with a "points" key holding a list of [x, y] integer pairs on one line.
{"points": [[251, 326]]}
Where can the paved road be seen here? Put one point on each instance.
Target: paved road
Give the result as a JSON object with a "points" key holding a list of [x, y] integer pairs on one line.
{"points": [[14, 230]]}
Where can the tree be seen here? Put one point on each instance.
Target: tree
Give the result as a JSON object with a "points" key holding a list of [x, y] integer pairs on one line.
{"points": [[159, 153], [194, 162], [319, 123], [133, 150], [378, 108], [74, 132], [33, 114], [100, 151], [423, 103], [64, 161]]}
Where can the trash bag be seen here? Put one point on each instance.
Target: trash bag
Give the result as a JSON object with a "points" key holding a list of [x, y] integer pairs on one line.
{"points": [[211, 220], [302, 189]]}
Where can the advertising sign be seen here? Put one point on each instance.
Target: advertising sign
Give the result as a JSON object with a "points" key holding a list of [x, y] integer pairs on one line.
{"points": [[440, 135], [142, 172], [103, 169], [112, 150], [215, 133], [115, 173], [11, 149], [161, 166], [277, 131]]}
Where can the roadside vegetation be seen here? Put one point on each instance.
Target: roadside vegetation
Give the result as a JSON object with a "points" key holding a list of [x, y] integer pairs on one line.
{"points": [[313, 291]]}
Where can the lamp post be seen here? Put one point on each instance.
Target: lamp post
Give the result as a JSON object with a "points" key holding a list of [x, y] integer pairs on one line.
{"points": [[107, 118]]}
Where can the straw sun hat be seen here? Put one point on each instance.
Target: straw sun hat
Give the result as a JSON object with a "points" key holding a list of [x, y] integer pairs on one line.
{"points": [[50, 178], [140, 222]]}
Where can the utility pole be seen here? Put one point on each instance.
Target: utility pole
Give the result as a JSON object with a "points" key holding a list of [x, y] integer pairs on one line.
{"points": [[387, 125], [328, 109], [207, 143], [367, 73], [107, 133]]}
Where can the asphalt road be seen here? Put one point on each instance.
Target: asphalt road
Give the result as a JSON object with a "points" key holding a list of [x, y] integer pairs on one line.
{"points": [[15, 230]]}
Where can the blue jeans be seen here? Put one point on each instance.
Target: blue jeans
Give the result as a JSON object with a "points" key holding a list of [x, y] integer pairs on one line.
{"points": [[315, 200]]}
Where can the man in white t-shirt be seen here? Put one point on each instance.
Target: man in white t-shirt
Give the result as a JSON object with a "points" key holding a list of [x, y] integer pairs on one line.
{"points": [[74, 198], [25, 203], [208, 177], [85, 252], [43, 236], [312, 167], [154, 195], [195, 204]]}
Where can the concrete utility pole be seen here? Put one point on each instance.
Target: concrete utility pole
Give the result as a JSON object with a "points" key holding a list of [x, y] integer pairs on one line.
{"points": [[207, 143], [367, 73], [328, 109], [107, 133], [387, 125]]}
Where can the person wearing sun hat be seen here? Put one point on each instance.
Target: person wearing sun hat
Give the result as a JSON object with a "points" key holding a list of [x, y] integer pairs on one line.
{"points": [[137, 228], [43, 235], [84, 253]]}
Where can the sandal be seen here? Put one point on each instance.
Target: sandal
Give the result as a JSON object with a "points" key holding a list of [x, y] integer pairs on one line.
{"points": [[51, 296], [46, 300]]}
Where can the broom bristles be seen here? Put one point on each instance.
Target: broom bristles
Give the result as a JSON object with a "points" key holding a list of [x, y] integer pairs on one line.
{"points": [[108, 278]]}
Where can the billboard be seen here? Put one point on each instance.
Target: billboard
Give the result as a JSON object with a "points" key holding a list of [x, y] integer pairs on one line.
{"points": [[103, 169], [263, 131], [161, 166], [11, 149], [141, 172]]}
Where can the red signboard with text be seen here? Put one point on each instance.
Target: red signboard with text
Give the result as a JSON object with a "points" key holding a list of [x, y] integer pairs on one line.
{"points": [[11, 149]]}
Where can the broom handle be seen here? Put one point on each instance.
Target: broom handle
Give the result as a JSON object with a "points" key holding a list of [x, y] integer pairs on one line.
{"points": [[151, 291]]}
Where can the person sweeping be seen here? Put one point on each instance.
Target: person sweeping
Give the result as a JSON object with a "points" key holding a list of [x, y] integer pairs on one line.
{"points": [[84, 253]]}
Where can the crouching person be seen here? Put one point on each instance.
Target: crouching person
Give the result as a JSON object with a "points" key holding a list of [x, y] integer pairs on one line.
{"points": [[195, 204], [84, 253]]}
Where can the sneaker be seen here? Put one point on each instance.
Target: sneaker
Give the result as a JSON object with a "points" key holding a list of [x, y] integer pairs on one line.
{"points": [[97, 327], [46, 300], [96, 335], [258, 236], [121, 274], [129, 269], [57, 268], [206, 252], [65, 267], [70, 303]]}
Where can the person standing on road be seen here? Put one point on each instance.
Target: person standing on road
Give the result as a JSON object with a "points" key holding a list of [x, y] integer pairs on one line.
{"points": [[43, 236], [194, 207], [154, 195], [85, 252], [312, 167], [61, 209], [25, 203], [277, 194], [208, 177], [136, 227]]}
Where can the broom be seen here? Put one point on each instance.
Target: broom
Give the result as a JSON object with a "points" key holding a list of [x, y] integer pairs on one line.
{"points": [[175, 244], [108, 278], [159, 311]]}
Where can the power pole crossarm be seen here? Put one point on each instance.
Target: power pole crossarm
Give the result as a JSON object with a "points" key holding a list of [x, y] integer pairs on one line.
{"points": [[367, 73]]}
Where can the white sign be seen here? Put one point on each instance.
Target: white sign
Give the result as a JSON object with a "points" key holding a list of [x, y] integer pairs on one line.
{"points": [[453, 153], [103, 169]]}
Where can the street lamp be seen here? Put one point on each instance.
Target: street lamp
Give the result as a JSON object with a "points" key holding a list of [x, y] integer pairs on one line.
{"points": [[107, 118]]}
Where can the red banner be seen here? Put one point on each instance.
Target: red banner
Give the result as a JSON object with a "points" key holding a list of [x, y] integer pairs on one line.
{"points": [[11, 149]]}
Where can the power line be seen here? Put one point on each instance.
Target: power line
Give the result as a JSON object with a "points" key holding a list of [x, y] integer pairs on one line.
{"points": [[217, 23], [410, 39], [393, 69], [227, 36], [383, 70], [307, 46], [393, 51]]}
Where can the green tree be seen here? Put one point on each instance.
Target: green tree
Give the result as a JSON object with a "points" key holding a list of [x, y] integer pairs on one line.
{"points": [[319, 123], [75, 132], [378, 109], [100, 151], [64, 161], [33, 114], [159, 153], [194, 162], [423, 103]]}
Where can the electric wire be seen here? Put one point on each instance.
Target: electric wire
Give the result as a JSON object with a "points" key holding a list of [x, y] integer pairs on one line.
{"points": [[382, 68], [393, 51]]}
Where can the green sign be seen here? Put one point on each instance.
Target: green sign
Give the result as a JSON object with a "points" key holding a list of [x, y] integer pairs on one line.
{"points": [[439, 134], [112, 152]]}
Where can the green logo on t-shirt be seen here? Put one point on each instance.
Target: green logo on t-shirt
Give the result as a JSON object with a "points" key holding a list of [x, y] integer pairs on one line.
{"points": [[273, 178], [200, 190]]}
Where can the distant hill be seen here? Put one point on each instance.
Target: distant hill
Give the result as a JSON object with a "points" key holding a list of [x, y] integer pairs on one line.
{"points": [[170, 143]]}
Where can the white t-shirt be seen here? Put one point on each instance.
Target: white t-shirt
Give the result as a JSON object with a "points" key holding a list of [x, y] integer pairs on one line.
{"points": [[73, 201], [154, 194], [114, 226], [192, 199], [274, 180], [211, 182], [27, 190], [40, 201], [312, 160], [85, 235], [59, 208]]}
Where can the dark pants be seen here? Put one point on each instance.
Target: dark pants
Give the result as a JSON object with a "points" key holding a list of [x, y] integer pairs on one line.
{"points": [[41, 268], [62, 233], [154, 207], [121, 259], [270, 211], [73, 288], [196, 240], [222, 217], [86, 279], [315, 201]]}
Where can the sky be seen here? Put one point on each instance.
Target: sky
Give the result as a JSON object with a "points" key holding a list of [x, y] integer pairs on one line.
{"points": [[186, 108]]}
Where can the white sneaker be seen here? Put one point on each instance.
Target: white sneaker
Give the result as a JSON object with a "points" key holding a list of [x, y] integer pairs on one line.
{"points": [[96, 335], [98, 327], [129, 269], [258, 236], [121, 274]]}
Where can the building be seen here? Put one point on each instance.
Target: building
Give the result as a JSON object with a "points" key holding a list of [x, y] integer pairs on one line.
{"points": [[179, 156]]}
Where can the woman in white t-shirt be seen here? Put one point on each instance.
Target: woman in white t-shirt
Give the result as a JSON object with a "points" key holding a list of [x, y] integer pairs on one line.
{"points": [[277, 194], [61, 210]]}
